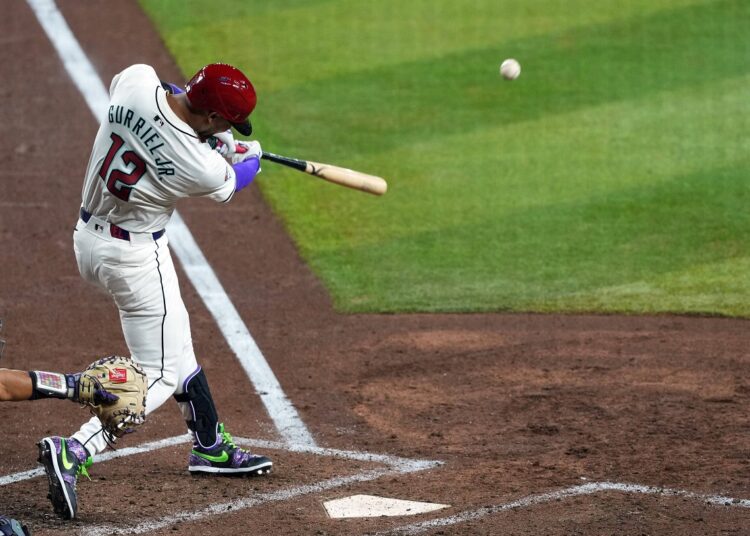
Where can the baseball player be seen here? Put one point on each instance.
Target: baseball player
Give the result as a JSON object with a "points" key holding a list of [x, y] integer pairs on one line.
{"points": [[151, 150]]}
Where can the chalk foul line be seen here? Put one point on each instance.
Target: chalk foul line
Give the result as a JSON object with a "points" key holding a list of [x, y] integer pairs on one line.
{"points": [[574, 491], [393, 465]]}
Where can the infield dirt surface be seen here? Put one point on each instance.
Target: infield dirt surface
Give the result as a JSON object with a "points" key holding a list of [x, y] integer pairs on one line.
{"points": [[514, 405]]}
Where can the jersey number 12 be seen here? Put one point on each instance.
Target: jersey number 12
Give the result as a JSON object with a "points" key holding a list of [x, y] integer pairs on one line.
{"points": [[119, 183]]}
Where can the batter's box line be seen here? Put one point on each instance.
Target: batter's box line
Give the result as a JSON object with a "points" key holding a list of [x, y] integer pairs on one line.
{"points": [[575, 491], [405, 465], [110, 455], [394, 465]]}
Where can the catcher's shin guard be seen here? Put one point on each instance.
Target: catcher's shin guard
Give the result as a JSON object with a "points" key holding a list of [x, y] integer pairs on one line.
{"points": [[199, 409]]}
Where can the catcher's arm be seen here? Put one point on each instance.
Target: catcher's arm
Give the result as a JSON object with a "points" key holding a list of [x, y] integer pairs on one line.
{"points": [[57, 385], [15, 385], [18, 385]]}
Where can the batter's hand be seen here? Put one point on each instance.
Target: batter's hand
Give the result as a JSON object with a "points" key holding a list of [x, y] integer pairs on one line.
{"points": [[245, 150], [225, 144]]}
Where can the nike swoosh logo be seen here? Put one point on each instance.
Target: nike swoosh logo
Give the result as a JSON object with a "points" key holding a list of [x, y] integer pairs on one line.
{"points": [[218, 459], [67, 464]]}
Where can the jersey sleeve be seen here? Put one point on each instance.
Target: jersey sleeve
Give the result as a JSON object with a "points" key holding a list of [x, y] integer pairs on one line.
{"points": [[137, 69], [218, 181], [225, 191], [113, 84]]}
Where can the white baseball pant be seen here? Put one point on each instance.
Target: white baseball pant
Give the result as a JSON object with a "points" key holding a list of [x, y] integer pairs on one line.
{"points": [[140, 276]]}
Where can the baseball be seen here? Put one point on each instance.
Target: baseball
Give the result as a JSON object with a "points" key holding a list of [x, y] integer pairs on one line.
{"points": [[510, 69]]}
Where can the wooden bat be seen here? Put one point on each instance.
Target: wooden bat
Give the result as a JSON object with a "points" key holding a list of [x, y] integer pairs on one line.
{"points": [[338, 175]]}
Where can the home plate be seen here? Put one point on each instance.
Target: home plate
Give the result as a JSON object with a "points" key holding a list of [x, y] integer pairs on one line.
{"points": [[372, 506]]}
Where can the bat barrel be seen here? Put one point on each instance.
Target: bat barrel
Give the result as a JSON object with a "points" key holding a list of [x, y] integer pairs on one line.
{"points": [[335, 174]]}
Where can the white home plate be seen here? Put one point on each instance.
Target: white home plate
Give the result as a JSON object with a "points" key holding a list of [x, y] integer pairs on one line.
{"points": [[372, 506]]}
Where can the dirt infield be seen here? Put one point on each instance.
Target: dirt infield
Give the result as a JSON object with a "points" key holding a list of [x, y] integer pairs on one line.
{"points": [[514, 405]]}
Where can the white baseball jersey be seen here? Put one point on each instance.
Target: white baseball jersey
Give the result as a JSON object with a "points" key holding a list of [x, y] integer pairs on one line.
{"points": [[145, 158]]}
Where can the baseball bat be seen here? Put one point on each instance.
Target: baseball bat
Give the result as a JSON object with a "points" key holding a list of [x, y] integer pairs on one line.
{"points": [[335, 174]]}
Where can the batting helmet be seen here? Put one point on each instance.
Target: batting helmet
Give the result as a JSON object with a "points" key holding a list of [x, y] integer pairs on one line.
{"points": [[223, 89]]}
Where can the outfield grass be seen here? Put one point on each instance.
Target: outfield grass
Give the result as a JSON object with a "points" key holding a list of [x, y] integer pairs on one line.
{"points": [[610, 177]]}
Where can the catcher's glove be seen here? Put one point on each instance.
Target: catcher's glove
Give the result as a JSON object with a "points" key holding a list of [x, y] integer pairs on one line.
{"points": [[123, 378]]}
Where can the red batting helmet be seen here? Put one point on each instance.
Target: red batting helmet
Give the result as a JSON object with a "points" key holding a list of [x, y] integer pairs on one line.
{"points": [[223, 89]]}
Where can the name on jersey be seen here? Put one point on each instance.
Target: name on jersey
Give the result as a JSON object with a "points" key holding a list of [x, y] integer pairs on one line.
{"points": [[145, 132]]}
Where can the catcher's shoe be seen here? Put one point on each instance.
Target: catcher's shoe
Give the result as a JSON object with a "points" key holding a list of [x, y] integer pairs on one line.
{"points": [[227, 458], [63, 460], [11, 527]]}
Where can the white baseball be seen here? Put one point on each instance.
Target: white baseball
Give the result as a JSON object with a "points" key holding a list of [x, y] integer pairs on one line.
{"points": [[510, 69]]}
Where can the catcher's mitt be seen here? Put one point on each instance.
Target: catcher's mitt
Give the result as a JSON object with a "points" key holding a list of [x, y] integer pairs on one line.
{"points": [[122, 377]]}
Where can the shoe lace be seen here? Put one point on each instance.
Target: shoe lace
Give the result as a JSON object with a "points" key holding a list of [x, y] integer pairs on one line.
{"points": [[82, 469], [226, 437]]}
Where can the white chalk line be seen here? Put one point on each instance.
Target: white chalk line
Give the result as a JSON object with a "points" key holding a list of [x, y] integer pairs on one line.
{"points": [[239, 504], [575, 491], [109, 455], [406, 465], [394, 465], [84, 76], [201, 275], [76, 63]]}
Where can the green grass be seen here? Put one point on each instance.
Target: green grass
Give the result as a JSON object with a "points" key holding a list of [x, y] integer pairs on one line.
{"points": [[611, 176]]}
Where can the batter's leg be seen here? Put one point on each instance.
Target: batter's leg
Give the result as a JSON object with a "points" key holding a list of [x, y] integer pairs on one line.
{"points": [[199, 410], [155, 323], [214, 450]]}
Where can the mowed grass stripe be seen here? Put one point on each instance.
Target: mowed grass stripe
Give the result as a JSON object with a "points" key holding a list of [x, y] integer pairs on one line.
{"points": [[559, 257], [591, 159], [596, 236], [292, 42], [607, 178], [375, 110]]}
